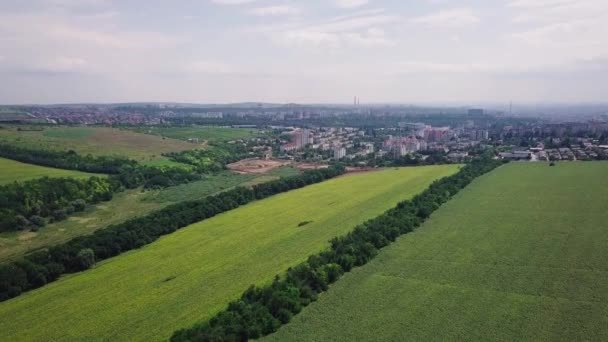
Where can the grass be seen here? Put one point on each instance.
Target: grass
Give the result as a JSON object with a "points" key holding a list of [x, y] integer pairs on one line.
{"points": [[123, 206], [96, 141], [518, 255], [14, 171], [193, 273], [7, 114], [203, 133]]}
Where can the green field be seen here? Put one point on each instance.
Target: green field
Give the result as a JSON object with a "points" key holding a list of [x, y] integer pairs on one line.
{"points": [[203, 133], [191, 274], [521, 254], [14, 171], [95, 141], [7, 114], [124, 206]]}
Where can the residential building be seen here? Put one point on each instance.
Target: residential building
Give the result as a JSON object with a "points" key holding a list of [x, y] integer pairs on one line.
{"points": [[339, 152]]}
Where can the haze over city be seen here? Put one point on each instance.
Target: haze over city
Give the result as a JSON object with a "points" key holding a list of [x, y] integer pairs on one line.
{"points": [[217, 51]]}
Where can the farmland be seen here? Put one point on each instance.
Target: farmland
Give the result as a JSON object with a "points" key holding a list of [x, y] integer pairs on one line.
{"points": [[191, 274], [520, 254], [203, 133], [14, 171], [95, 141], [124, 206]]}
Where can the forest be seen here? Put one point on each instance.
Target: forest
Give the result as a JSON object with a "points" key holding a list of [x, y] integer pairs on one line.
{"points": [[123, 172], [262, 310], [39, 268], [33, 202], [212, 159]]}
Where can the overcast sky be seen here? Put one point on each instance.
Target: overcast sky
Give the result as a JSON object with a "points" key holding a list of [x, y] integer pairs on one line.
{"points": [[313, 51]]}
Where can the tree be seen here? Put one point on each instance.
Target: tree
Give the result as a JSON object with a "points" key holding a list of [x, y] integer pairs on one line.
{"points": [[79, 204], [21, 222], [37, 221], [86, 258]]}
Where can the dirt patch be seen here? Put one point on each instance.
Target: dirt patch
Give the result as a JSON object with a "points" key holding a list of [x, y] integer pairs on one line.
{"points": [[311, 166], [256, 166]]}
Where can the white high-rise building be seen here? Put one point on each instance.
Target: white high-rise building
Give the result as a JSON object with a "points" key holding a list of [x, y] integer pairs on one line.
{"points": [[339, 152]]}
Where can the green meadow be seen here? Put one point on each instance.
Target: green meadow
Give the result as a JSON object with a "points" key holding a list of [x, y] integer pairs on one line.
{"points": [[520, 254], [191, 274], [14, 171], [203, 133], [95, 141]]}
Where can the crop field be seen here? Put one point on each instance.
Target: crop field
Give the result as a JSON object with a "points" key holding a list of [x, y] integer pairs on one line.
{"points": [[203, 133], [7, 114], [96, 141], [191, 274], [124, 206], [520, 254], [14, 171]]}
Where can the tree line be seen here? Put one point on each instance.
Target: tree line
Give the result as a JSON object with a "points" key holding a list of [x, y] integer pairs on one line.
{"points": [[32, 203], [39, 268], [262, 310], [68, 160], [218, 156], [212, 159], [124, 172]]}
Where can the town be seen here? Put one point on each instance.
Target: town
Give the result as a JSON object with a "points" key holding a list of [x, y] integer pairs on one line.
{"points": [[356, 135]]}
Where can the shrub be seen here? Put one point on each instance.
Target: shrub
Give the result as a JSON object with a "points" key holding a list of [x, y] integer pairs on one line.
{"points": [[86, 258], [38, 221], [21, 222], [79, 204]]}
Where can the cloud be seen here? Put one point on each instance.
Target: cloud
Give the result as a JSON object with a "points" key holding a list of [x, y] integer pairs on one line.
{"points": [[275, 10], [529, 68], [350, 3], [360, 30], [232, 2], [63, 64], [76, 3], [54, 43], [566, 28], [538, 3], [434, 67], [451, 18], [209, 67]]}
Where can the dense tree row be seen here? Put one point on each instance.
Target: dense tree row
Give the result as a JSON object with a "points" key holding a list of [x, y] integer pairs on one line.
{"points": [[124, 172], [213, 159], [39, 268], [68, 160], [153, 177], [262, 310], [32, 203]]}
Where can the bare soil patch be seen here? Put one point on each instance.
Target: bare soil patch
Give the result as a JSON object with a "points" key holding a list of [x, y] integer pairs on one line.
{"points": [[256, 166]]}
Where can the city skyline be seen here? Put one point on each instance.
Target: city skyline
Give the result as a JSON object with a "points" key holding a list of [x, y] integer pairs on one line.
{"points": [[229, 51]]}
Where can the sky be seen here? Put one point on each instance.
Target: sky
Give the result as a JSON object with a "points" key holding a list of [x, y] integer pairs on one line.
{"points": [[313, 51]]}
